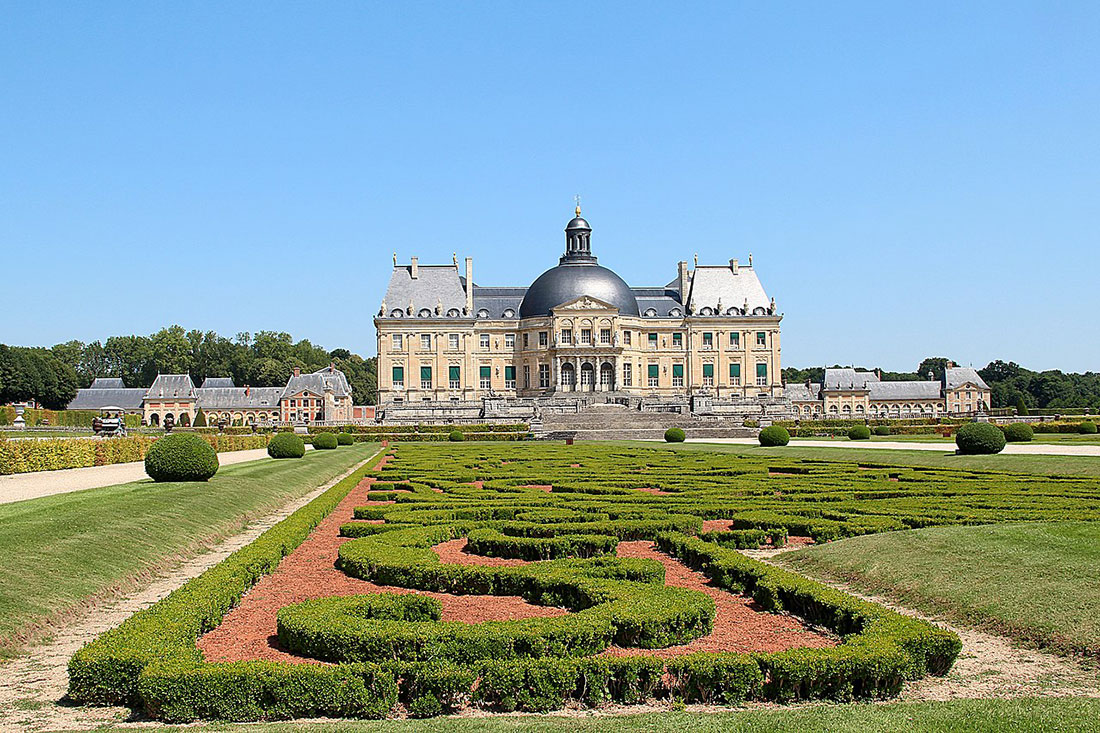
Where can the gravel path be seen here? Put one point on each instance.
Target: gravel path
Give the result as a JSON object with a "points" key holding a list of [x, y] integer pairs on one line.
{"points": [[32, 686], [23, 486]]}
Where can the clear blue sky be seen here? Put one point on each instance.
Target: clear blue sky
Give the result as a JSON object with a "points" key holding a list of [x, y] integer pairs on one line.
{"points": [[913, 179]]}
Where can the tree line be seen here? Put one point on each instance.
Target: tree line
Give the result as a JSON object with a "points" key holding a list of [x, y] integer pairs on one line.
{"points": [[1010, 384], [51, 376]]}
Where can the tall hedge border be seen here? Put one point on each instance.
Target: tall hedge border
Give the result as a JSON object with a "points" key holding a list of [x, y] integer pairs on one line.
{"points": [[52, 454]]}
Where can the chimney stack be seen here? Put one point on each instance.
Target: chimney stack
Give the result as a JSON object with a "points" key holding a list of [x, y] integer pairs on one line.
{"points": [[733, 265], [247, 390], [415, 268], [469, 285], [682, 279], [297, 372]]}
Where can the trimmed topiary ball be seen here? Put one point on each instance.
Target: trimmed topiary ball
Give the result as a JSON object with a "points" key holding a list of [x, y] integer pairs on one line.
{"points": [[883, 430], [456, 436], [286, 445], [324, 441], [773, 436], [1086, 428], [859, 432], [1018, 432], [345, 439], [181, 457], [675, 435], [979, 438]]}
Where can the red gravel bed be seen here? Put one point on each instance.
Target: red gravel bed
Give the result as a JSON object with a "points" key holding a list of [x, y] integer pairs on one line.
{"points": [[248, 631], [740, 625], [717, 525], [655, 492]]}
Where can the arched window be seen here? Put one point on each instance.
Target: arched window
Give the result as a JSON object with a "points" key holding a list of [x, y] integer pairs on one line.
{"points": [[706, 311], [483, 313], [607, 373], [509, 313], [154, 419], [847, 410], [675, 312], [568, 375], [425, 313], [452, 313], [832, 409], [397, 313]]}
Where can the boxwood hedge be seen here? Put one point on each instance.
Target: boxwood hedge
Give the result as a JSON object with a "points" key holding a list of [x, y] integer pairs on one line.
{"points": [[388, 649]]}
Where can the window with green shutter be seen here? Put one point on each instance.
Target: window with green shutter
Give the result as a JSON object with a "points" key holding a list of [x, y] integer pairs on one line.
{"points": [[654, 370], [454, 375], [653, 341], [485, 374], [398, 375], [708, 370], [735, 374], [762, 375], [510, 377], [677, 370], [425, 377]]}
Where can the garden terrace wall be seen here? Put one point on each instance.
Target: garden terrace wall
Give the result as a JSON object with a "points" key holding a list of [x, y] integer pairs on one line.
{"points": [[34, 417]]}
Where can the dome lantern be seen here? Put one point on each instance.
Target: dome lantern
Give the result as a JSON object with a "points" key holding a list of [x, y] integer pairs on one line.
{"points": [[578, 240]]}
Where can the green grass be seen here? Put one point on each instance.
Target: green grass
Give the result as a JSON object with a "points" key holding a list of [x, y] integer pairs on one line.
{"points": [[963, 716], [1036, 582], [61, 551], [1029, 464]]}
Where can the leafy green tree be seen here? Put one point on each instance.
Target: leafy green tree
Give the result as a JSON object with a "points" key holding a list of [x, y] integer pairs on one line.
{"points": [[172, 352], [1021, 406], [935, 364], [200, 419]]}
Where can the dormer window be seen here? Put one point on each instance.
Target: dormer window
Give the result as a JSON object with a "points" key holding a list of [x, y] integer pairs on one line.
{"points": [[650, 312], [452, 313], [676, 313], [425, 313], [483, 313], [706, 311], [509, 313], [396, 313]]}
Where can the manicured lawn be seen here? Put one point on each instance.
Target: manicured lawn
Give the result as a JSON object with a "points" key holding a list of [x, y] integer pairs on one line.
{"points": [[1037, 465], [60, 551], [1037, 582], [963, 716]]}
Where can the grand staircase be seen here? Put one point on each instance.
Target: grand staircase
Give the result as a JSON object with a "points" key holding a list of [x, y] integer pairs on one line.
{"points": [[610, 421]]}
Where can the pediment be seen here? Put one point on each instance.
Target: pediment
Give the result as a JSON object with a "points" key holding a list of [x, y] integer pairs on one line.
{"points": [[585, 303]]}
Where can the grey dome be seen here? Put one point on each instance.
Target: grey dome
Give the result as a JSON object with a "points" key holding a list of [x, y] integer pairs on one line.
{"points": [[569, 281], [578, 222]]}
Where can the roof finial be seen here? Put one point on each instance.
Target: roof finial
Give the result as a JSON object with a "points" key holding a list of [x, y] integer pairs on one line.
{"points": [[577, 198], [395, 259], [696, 259]]}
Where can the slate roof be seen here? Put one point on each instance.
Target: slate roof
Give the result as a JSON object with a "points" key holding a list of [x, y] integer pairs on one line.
{"points": [[658, 302], [923, 390], [955, 377], [178, 386], [217, 382], [316, 383], [435, 285], [712, 285], [846, 378], [231, 398], [96, 398], [497, 301], [801, 393], [107, 383]]}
